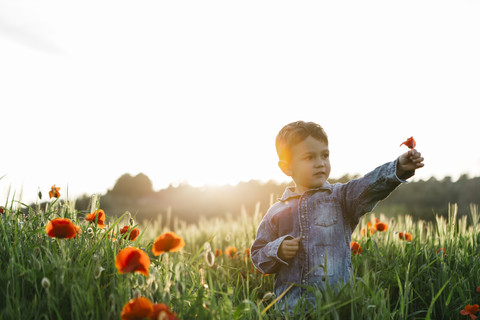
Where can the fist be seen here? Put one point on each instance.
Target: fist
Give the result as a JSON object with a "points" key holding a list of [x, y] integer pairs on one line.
{"points": [[409, 161], [288, 248]]}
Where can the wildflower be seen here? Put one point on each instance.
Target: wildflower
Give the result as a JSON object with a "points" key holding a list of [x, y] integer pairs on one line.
{"points": [[132, 259], [61, 228], [45, 283], [380, 226], [410, 142], [478, 289], [442, 250], [405, 236], [218, 252], [231, 252], [470, 311], [161, 311], [78, 230], [247, 252], [54, 192], [138, 308], [370, 229], [355, 247], [133, 233], [100, 220], [2, 210], [167, 242]]}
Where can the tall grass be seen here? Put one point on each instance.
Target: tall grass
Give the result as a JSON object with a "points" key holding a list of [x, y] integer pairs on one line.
{"points": [[432, 277]]}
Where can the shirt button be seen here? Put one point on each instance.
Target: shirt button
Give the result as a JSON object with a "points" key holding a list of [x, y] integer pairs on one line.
{"points": [[303, 280], [303, 216], [303, 237]]}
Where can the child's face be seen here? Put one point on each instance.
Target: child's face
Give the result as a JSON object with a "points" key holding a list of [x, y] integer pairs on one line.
{"points": [[310, 164]]}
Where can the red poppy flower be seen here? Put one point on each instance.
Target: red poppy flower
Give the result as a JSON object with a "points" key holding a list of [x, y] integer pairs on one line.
{"points": [[132, 259], [380, 226], [218, 252], [405, 236], [410, 142], [231, 252], [78, 230], [371, 230], [137, 309], [161, 311], [133, 232], [355, 247], [478, 289], [167, 242], [470, 311], [61, 228], [54, 192], [2, 209], [93, 216], [442, 250]]}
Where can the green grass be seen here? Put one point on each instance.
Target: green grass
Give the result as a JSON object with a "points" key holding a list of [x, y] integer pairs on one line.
{"points": [[394, 279]]}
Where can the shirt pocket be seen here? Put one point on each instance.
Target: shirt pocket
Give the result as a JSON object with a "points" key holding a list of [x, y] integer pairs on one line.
{"points": [[326, 212]]}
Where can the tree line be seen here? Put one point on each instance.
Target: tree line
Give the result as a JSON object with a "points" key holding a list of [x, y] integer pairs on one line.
{"points": [[420, 199]]}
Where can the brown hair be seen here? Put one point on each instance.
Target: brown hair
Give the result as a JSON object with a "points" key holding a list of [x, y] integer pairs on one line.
{"points": [[294, 133]]}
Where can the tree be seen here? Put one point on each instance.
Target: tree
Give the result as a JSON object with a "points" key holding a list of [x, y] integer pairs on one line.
{"points": [[135, 187]]}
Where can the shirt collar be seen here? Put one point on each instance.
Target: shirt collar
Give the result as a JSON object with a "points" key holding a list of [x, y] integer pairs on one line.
{"points": [[290, 191]]}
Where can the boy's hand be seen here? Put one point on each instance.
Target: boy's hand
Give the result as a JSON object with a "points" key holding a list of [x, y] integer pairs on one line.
{"points": [[409, 161], [288, 248]]}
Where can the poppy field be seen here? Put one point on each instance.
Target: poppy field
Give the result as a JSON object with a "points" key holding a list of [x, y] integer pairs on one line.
{"points": [[61, 263]]}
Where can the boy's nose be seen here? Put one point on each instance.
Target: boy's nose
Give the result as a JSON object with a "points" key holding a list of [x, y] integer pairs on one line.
{"points": [[319, 163]]}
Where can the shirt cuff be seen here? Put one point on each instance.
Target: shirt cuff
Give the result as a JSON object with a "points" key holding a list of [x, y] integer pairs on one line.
{"points": [[276, 247], [408, 174]]}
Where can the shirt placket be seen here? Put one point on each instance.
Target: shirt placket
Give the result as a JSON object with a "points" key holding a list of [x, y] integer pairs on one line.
{"points": [[304, 232]]}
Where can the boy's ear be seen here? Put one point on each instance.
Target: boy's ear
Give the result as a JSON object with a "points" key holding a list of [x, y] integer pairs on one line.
{"points": [[285, 166]]}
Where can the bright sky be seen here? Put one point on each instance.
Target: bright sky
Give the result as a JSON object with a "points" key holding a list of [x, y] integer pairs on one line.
{"points": [[196, 91]]}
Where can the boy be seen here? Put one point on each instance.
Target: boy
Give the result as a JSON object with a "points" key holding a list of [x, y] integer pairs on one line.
{"points": [[314, 220]]}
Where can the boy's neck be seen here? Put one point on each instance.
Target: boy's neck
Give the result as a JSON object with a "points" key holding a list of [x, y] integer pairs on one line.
{"points": [[300, 191]]}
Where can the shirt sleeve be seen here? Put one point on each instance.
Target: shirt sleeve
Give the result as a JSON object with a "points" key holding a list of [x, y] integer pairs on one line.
{"points": [[361, 195], [264, 250]]}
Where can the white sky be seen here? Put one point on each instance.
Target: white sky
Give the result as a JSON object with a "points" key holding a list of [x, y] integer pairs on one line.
{"points": [[196, 91]]}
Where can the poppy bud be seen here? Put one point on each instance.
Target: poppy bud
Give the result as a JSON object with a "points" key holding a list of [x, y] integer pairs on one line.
{"points": [[98, 272], [267, 296], [45, 283], [136, 294], [209, 257]]}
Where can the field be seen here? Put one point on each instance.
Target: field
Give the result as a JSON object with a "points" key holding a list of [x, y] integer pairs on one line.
{"points": [[434, 275]]}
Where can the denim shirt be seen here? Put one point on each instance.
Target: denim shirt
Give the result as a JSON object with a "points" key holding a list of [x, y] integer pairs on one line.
{"points": [[324, 219]]}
